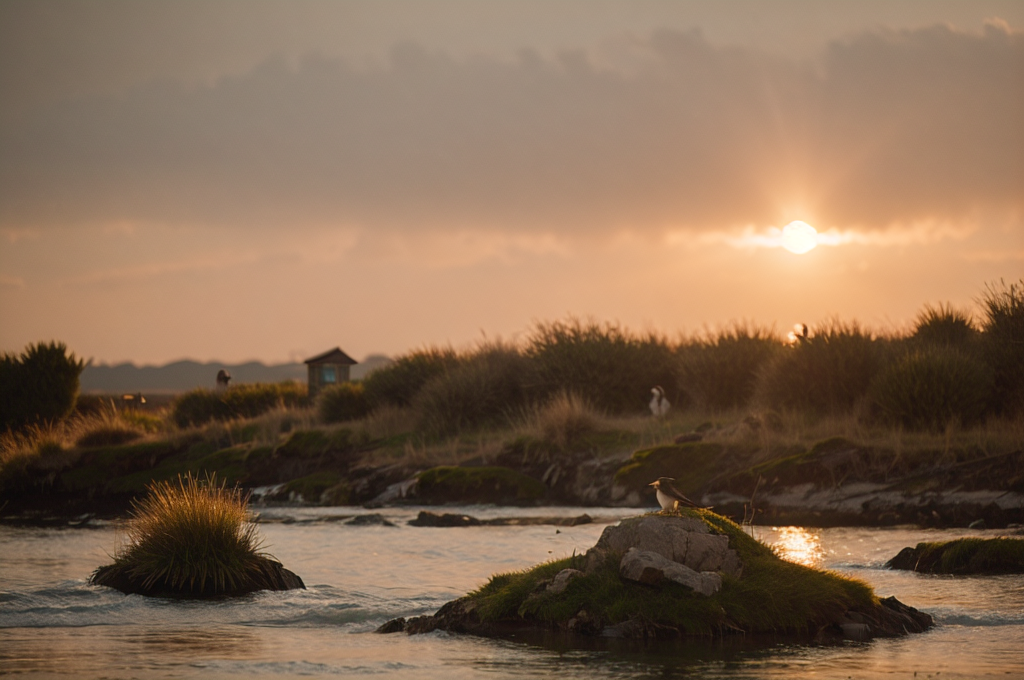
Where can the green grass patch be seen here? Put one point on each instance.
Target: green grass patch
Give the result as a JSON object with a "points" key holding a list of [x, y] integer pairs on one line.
{"points": [[447, 484], [972, 556]]}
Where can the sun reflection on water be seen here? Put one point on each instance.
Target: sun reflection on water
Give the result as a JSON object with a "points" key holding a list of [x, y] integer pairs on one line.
{"points": [[799, 545]]}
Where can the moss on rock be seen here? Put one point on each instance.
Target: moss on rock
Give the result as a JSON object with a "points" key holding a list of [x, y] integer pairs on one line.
{"points": [[692, 465], [963, 556]]}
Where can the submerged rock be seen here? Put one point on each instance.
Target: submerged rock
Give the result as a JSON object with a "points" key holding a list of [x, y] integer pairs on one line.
{"points": [[432, 519], [270, 575], [372, 519]]}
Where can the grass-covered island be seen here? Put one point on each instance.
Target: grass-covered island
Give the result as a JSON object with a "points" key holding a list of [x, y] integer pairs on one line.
{"points": [[193, 540], [963, 556], [682, 574]]}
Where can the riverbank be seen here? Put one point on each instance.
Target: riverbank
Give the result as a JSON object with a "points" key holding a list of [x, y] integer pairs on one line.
{"points": [[762, 469]]}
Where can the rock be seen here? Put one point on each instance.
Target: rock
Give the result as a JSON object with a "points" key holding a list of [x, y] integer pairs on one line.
{"points": [[680, 539], [562, 579], [899, 619], [432, 519], [372, 519], [392, 626], [271, 576], [861, 632], [395, 492], [685, 438], [644, 566], [906, 559]]}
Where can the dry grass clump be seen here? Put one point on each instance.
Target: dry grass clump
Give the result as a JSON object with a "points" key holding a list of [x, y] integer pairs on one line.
{"points": [[191, 536], [201, 406], [720, 371], [613, 368], [564, 419], [342, 402]]}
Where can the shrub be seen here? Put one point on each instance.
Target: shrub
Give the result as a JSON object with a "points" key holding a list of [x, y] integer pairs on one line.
{"points": [[609, 367], [398, 383], [192, 537], [1003, 343], [240, 401], [338, 403], [564, 420], [720, 372], [483, 389], [825, 373], [944, 326], [931, 388], [39, 386]]}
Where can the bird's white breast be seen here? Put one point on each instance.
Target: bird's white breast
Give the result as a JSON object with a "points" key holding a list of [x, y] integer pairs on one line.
{"points": [[665, 501]]}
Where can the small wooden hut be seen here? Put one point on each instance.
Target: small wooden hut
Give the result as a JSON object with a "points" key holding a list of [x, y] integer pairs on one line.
{"points": [[329, 368]]}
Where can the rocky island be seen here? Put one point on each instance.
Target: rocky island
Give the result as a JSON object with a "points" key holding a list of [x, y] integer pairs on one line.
{"points": [[688, 573]]}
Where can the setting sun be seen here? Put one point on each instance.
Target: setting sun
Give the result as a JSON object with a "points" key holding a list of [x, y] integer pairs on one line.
{"points": [[799, 237]]}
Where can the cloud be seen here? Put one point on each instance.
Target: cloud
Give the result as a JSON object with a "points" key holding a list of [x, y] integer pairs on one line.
{"points": [[887, 128], [11, 282]]}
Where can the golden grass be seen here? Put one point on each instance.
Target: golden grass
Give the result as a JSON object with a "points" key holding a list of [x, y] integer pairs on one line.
{"points": [[191, 536]]}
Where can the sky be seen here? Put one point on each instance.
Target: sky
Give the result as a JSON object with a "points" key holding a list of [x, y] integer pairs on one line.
{"points": [[237, 181]]}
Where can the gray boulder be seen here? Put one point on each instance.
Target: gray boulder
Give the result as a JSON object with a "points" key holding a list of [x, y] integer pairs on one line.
{"points": [[651, 568], [679, 539], [561, 580]]}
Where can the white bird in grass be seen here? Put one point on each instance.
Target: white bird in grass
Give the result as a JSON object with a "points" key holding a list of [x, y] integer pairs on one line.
{"points": [[669, 497], [659, 404]]}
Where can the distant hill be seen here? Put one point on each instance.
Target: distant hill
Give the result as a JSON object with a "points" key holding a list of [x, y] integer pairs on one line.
{"points": [[180, 376]]}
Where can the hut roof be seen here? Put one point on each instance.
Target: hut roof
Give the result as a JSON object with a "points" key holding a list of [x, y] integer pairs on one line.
{"points": [[334, 356]]}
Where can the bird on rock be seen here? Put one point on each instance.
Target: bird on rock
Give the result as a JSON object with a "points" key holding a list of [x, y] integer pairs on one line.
{"points": [[669, 497]]}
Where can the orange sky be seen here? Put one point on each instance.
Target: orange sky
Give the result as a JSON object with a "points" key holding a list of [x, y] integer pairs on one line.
{"points": [[265, 181]]}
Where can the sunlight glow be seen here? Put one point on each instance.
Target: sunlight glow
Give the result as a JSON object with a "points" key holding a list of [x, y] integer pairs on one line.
{"points": [[799, 545], [799, 237]]}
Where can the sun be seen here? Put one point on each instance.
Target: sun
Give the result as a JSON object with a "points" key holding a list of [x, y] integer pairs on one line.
{"points": [[799, 237]]}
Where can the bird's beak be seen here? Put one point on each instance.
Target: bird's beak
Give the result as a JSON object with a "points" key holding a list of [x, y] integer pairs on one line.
{"points": [[653, 484]]}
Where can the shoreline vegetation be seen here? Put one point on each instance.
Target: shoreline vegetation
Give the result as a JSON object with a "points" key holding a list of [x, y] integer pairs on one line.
{"points": [[832, 425]]}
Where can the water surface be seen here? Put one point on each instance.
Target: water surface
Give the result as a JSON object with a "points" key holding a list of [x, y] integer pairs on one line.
{"points": [[53, 624]]}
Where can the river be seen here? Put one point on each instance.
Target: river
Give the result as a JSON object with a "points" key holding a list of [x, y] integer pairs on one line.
{"points": [[53, 624]]}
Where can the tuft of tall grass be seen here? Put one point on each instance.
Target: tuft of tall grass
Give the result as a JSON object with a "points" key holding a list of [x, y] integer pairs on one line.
{"points": [[720, 372], [827, 373], [398, 383], [201, 406], [1003, 343], [608, 366], [338, 403], [932, 388], [563, 420], [191, 537], [484, 388], [944, 326]]}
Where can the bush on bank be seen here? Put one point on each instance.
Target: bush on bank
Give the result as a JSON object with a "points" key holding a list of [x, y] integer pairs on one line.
{"points": [[201, 406], [39, 386]]}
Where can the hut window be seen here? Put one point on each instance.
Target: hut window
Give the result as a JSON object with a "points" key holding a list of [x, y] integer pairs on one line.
{"points": [[327, 374]]}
